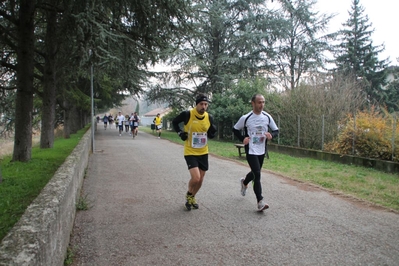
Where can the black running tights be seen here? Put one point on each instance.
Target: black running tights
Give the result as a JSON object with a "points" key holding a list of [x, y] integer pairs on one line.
{"points": [[255, 162]]}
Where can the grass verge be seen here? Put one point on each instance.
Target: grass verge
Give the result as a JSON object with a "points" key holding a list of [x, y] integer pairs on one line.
{"points": [[367, 184], [22, 182]]}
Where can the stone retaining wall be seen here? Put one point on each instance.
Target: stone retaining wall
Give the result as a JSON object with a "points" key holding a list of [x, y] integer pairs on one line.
{"points": [[41, 236]]}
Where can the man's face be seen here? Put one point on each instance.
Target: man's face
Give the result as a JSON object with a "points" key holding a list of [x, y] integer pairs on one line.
{"points": [[258, 104], [201, 107]]}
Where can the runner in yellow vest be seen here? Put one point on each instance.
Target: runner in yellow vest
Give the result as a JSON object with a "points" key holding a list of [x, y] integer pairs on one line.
{"points": [[198, 127], [158, 124]]}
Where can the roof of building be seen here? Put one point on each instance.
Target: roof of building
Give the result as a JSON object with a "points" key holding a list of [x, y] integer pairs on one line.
{"points": [[161, 111]]}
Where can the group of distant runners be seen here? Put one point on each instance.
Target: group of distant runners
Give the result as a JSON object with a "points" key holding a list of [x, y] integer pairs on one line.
{"points": [[123, 123]]}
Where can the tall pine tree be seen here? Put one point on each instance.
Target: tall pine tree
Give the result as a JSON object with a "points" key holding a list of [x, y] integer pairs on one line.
{"points": [[45, 54], [230, 40], [357, 56], [301, 49]]}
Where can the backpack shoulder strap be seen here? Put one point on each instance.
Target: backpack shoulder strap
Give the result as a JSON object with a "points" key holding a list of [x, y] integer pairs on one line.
{"points": [[210, 118], [186, 117]]}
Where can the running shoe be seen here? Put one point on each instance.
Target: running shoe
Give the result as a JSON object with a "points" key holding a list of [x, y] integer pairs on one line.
{"points": [[191, 202], [188, 206], [188, 202], [194, 203], [243, 187], [262, 205]]}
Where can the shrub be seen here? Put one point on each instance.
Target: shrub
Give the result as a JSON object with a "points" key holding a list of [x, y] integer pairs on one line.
{"points": [[369, 134]]}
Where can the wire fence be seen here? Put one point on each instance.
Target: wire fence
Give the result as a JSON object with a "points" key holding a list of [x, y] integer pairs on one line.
{"points": [[315, 132]]}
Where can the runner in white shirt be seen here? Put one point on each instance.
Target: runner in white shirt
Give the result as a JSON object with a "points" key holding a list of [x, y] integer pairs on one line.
{"points": [[256, 126], [134, 123], [121, 120]]}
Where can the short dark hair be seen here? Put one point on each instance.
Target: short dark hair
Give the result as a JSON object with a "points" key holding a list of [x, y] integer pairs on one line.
{"points": [[254, 96]]}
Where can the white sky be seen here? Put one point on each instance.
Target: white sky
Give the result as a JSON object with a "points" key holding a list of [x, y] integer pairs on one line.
{"points": [[383, 14]]}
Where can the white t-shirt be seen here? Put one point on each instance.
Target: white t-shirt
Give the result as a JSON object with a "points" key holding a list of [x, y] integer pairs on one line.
{"points": [[121, 118], [136, 124], [257, 126]]}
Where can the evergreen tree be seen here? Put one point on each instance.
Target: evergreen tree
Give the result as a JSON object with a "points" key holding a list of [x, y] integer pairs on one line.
{"points": [[229, 40], [227, 107], [392, 89], [137, 110], [45, 48], [302, 46], [357, 56], [24, 44]]}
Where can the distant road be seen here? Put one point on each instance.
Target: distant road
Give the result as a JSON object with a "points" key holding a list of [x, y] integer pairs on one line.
{"points": [[136, 189]]}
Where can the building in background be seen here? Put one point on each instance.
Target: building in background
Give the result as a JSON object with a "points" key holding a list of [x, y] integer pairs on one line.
{"points": [[147, 118]]}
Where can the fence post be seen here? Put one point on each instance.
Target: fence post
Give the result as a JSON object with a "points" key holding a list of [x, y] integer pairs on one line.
{"points": [[322, 132], [232, 134], [354, 134], [278, 136], [299, 127], [218, 134], [393, 136]]}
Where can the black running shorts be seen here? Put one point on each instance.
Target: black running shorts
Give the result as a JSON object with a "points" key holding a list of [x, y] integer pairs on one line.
{"points": [[200, 161]]}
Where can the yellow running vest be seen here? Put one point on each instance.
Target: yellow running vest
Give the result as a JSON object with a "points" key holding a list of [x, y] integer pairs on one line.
{"points": [[158, 120], [197, 127]]}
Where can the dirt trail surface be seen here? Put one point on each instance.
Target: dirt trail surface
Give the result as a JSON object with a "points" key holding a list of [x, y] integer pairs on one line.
{"points": [[136, 189]]}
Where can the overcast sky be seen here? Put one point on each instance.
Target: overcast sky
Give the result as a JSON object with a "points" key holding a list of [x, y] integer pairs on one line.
{"points": [[383, 14]]}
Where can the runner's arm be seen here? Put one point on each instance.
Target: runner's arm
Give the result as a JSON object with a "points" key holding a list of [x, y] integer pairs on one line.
{"points": [[238, 127], [273, 127], [212, 129], [182, 117]]}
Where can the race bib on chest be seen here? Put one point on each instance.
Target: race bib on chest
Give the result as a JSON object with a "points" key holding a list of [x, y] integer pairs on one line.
{"points": [[258, 137], [198, 139]]}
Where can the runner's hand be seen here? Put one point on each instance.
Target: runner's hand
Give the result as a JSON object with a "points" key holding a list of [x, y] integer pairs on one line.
{"points": [[183, 135]]}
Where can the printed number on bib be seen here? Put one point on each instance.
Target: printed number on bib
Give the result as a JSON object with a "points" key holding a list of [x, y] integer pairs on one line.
{"points": [[258, 137], [198, 139]]}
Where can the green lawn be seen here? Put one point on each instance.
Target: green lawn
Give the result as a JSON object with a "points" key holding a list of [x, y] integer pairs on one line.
{"points": [[22, 182]]}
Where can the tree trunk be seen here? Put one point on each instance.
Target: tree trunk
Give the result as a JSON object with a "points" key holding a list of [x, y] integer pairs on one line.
{"points": [[67, 124], [49, 86], [72, 120], [24, 101], [75, 120]]}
